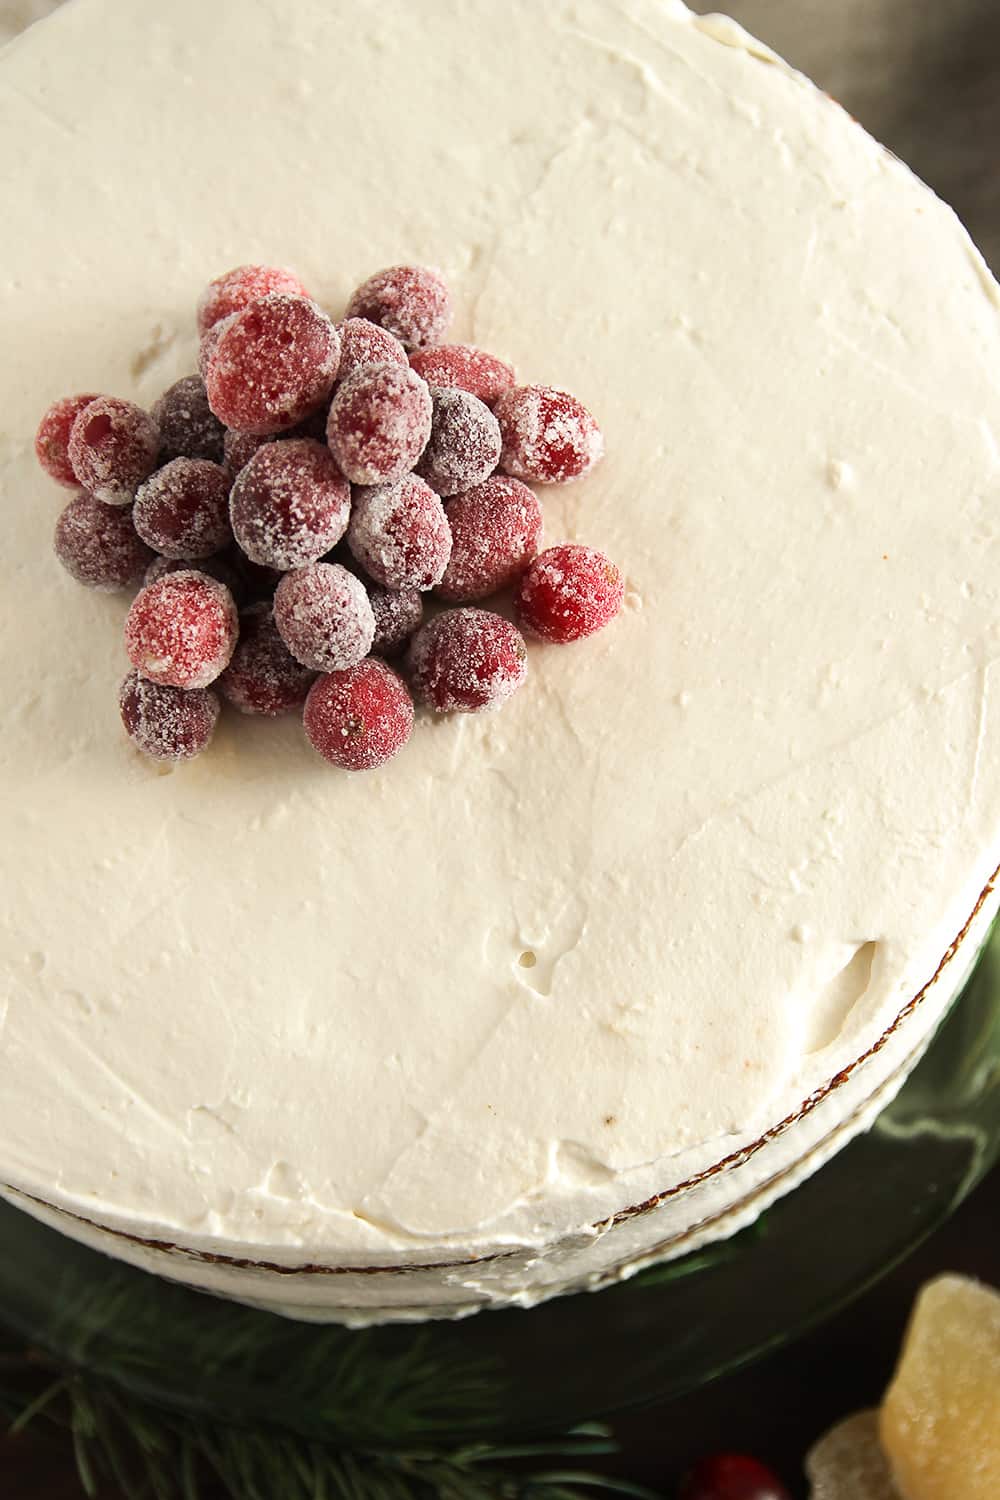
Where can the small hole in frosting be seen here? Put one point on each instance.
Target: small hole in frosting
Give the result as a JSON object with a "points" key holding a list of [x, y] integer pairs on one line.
{"points": [[527, 959]]}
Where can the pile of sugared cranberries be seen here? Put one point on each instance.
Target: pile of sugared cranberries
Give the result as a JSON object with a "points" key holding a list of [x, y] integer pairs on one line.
{"points": [[289, 510]]}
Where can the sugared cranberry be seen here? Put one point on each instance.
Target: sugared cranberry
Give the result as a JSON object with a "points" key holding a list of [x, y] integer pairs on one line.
{"points": [[324, 617], [209, 342], [188, 426], [216, 567], [399, 534], [358, 719], [272, 364], [465, 367], [112, 448], [181, 630], [732, 1476], [238, 448], [379, 423], [263, 676], [98, 544], [495, 529], [289, 504], [549, 437], [464, 445], [398, 613], [410, 302], [236, 289], [167, 722], [52, 438], [466, 660], [183, 509], [569, 592], [363, 343]]}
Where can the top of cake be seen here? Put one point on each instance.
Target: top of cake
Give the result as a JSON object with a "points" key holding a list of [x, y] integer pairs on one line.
{"points": [[550, 961]]}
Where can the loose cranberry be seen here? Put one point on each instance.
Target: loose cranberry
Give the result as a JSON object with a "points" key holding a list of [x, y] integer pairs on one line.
{"points": [[548, 436], [464, 445], [238, 448], [216, 567], [263, 676], [569, 592], [112, 448], [399, 534], [467, 368], [495, 529], [167, 722], [466, 660], [182, 510], [379, 423], [289, 504], [52, 438], [358, 719], [398, 613], [188, 426], [324, 618], [363, 343], [209, 342], [181, 630], [99, 545], [732, 1476], [236, 289], [272, 365], [410, 302]]}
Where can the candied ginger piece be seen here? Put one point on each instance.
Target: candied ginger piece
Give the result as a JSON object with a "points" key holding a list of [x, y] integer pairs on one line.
{"points": [[849, 1463]]}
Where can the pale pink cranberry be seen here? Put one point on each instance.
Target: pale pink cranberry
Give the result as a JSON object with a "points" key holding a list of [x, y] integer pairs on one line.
{"points": [[411, 302], [271, 364], [363, 343], [360, 718], [398, 613], [466, 660], [464, 445], [495, 529], [465, 367], [549, 437], [323, 616], [379, 423], [181, 630], [569, 592], [113, 446], [99, 545], [263, 676], [289, 504], [182, 510], [236, 289], [188, 426], [167, 723], [52, 438], [399, 534]]}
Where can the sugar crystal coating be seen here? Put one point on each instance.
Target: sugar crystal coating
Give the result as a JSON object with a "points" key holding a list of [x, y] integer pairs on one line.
{"points": [[465, 367], [324, 617], [167, 723], [99, 545], [216, 567], [549, 437], [236, 289], [113, 446], [188, 426], [848, 1463], [289, 503], [263, 676], [238, 448], [399, 534], [495, 528], [569, 592], [181, 630], [271, 364], [411, 302], [364, 343], [379, 423], [52, 438], [398, 613], [182, 510], [360, 718], [466, 660], [464, 446]]}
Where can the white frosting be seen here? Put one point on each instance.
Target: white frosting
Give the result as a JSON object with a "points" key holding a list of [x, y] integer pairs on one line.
{"points": [[260, 1009]]}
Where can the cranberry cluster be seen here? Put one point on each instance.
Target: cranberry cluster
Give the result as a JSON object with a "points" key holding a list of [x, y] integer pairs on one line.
{"points": [[288, 508]]}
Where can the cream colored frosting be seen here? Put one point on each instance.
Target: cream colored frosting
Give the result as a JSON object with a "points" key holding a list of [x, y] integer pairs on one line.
{"points": [[256, 1008]]}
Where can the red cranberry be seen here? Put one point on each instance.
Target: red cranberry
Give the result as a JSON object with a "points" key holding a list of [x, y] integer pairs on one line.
{"points": [[358, 719], [399, 534], [548, 436], [236, 289], [167, 722], [410, 302], [98, 544], [569, 592], [398, 614], [494, 535], [210, 342], [216, 567], [469, 369], [272, 365], [466, 660], [363, 343], [181, 630], [188, 426], [239, 448], [324, 617], [182, 510], [52, 438], [464, 445], [732, 1476], [379, 423], [112, 447], [263, 676], [289, 504]]}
